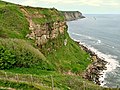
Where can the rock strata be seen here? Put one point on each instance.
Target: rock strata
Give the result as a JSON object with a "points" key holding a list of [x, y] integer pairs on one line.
{"points": [[72, 15], [42, 33]]}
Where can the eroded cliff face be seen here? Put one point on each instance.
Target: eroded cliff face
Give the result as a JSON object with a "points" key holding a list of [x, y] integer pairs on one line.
{"points": [[42, 32], [72, 15]]}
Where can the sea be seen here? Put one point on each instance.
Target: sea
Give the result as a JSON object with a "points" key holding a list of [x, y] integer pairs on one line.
{"points": [[101, 34]]}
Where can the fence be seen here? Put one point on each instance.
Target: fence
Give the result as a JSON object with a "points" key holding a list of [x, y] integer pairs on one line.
{"points": [[22, 78], [32, 79]]}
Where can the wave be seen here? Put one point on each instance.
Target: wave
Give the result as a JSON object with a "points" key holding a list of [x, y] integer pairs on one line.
{"points": [[88, 37], [94, 40], [111, 59], [98, 41]]}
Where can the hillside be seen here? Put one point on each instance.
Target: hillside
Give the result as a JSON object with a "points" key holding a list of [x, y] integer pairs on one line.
{"points": [[36, 51]]}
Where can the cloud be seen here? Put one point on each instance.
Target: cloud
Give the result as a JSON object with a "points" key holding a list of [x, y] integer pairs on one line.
{"points": [[81, 2], [91, 6], [99, 2], [96, 3], [51, 1], [29, 2], [91, 2]]}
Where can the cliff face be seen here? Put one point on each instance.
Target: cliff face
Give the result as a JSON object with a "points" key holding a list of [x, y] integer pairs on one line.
{"points": [[45, 30], [72, 15]]}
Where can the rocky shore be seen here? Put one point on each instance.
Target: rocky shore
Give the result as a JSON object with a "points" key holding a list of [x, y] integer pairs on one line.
{"points": [[93, 71]]}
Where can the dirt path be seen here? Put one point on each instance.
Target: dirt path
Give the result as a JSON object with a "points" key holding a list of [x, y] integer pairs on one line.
{"points": [[28, 17]]}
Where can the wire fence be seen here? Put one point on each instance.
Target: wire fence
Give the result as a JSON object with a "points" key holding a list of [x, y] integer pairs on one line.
{"points": [[22, 78], [32, 79]]}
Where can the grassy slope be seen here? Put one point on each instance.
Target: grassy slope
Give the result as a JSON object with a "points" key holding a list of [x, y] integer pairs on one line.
{"points": [[69, 57], [15, 25], [20, 86], [13, 22], [29, 60]]}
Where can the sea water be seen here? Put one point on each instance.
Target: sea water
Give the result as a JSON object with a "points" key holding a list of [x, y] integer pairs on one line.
{"points": [[101, 34]]}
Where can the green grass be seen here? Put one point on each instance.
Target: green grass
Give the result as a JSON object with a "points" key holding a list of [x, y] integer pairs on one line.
{"points": [[61, 58], [50, 15], [13, 23], [61, 82], [66, 58], [33, 71], [20, 85], [20, 56], [25, 55], [40, 20]]}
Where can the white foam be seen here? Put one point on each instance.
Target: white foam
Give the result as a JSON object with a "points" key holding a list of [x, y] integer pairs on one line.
{"points": [[76, 40], [88, 37], [111, 65], [110, 46], [113, 47], [95, 41], [99, 41]]}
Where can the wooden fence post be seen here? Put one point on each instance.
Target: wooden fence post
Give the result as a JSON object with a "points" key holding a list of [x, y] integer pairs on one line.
{"points": [[17, 77], [31, 79], [84, 85], [6, 75], [52, 82]]}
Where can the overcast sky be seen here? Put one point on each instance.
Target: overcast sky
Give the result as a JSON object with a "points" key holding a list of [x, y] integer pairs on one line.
{"points": [[85, 6]]}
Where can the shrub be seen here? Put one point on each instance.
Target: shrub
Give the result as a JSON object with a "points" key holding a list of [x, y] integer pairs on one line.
{"points": [[7, 59], [20, 53]]}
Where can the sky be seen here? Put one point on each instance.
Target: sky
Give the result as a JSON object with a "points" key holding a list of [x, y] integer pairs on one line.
{"points": [[84, 6]]}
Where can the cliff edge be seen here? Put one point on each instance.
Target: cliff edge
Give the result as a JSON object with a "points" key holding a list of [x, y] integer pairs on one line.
{"points": [[72, 15], [36, 50]]}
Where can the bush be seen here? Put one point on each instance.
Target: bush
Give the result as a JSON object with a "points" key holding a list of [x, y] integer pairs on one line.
{"points": [[20, 53], [7, 59]]}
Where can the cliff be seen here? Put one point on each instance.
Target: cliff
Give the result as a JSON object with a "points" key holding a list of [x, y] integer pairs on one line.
{"points": [[72, 15], [36, 50], [34, 41], [42, 25]]}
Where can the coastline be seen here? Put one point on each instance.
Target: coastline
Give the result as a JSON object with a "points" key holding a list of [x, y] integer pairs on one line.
{"points": [[106, 50], [95, 70], [105, 76]]}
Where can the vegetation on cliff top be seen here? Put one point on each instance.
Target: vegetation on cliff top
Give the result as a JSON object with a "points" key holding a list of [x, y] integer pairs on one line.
{"points": [[19, 55], [12, 22], [22, 50], [44, 15]]}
